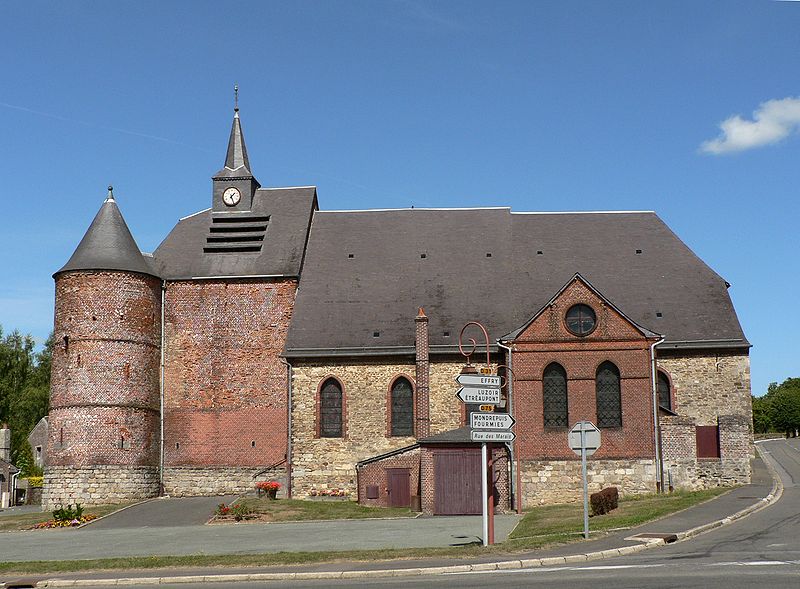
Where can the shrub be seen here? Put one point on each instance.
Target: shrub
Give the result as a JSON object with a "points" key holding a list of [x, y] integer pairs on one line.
{"points": [[604, 501], [240, 511], [223, 509], [36, 481], [68, 513]]}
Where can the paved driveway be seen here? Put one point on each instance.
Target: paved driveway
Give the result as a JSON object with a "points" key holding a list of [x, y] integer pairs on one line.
{"points": [[164, 513]]}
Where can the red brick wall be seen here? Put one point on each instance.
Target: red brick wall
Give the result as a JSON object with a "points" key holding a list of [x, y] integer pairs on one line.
{"points": [[499, 476], [225, 384], [104, 396], [614, 339], [375, 473]]}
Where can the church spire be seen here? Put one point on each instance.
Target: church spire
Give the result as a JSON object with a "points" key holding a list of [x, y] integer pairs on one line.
{"points": [[237, 164]]}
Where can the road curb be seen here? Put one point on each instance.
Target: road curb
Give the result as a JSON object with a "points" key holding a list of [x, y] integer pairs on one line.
{"points": [[773, 496], [360, 574]]}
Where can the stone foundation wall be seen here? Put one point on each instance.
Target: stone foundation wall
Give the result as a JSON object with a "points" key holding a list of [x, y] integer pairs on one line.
{"points": [[187, 481], [97, 485], [560, 481]]}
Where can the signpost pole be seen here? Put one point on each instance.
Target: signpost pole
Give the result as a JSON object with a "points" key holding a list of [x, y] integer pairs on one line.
{"points": [[484, 494], [585, 486], [490, 491]]}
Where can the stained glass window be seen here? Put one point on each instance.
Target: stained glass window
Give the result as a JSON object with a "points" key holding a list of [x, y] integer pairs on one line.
{"points": [[330, 410], [664, 397], [402, 408], [554, 389], [607, 392]]}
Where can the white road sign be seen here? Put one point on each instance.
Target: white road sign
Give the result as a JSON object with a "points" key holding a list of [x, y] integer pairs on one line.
{"points": [[591, 437], [491, 436], [499, 421], [478, 380], [482, 396]]}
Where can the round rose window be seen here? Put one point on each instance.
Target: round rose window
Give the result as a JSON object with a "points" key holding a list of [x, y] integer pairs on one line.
{"points": [[581, 320]]}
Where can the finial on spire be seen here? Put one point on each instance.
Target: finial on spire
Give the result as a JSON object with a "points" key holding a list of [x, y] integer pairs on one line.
{"points": [[110, 193], [236, 98]]}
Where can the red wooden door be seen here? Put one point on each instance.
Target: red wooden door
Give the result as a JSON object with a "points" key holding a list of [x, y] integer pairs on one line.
{"points": [[458, 481], [399, 487]]}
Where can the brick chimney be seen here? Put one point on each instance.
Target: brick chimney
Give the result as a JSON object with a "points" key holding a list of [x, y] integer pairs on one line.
{"points": [[5, 443], [423, 409]]}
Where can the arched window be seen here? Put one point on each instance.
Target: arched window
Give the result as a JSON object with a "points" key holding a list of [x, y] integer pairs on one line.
{"points": [[664, 396], [330, 409], [607, 392], [554, 396], [402, 408]]}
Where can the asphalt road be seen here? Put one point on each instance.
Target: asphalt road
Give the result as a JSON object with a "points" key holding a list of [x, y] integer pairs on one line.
{"points": [[761, 549], [163, 513]]}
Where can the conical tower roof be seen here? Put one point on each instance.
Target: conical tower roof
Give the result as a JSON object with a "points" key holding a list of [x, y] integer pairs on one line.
{"points": [[108, 244]]}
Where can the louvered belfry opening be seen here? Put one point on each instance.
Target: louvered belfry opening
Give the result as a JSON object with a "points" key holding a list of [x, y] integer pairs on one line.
{"points": [[236, 234]]}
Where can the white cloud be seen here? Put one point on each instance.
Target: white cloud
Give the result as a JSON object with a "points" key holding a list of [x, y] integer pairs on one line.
{"points": [[772, 121]]}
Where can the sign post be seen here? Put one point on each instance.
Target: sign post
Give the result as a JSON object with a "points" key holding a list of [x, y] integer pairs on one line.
{"points": [[483, 388], [485, 427], [584, 440]]}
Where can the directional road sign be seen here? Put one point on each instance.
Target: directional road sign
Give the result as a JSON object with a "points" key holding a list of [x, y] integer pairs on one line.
{"points": [[478, 380], [491, 436], [474, 395], [499, 421], [591, 437]]}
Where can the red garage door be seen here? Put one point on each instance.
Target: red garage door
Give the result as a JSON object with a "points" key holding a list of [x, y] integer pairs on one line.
{"points": [[458, 481]]}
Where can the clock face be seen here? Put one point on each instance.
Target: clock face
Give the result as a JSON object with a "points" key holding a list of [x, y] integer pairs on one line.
{"points": [[231, 196]]}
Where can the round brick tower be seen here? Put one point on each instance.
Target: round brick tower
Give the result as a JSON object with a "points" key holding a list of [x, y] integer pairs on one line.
{"points": [[104, 434]]}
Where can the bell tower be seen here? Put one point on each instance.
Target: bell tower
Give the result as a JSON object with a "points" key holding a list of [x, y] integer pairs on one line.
{"points": [[234, 185]]}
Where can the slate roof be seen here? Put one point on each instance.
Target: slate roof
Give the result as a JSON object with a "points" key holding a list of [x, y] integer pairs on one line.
{"points": [[289, 210], [237, 164], [459, 435], [10, 467], [365, 274], [108, 244]]}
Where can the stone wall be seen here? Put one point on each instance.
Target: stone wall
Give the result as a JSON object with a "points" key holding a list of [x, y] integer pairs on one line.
{"points": [[187, 481], [329, 463], [707, 384], [708, 388], [561, 481], [98, 485], [683, 469]]}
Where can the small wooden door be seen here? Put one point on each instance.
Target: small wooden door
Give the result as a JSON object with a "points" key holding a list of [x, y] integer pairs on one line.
{"points": [[458, 481], [399, 487]]}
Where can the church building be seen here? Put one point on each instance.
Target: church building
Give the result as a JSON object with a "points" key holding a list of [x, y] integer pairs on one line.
{"points": [[267, 339]]}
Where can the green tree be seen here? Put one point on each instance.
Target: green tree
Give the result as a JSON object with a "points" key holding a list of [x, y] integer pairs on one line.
{"points": [[762, 420], [784, 406], [24, 390]]}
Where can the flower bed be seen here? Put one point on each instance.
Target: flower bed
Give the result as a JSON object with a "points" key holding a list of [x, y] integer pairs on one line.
{"points": [[70, 516]]}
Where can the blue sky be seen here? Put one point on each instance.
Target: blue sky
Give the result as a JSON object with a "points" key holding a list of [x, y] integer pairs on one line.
{"points": [[534, 105]]}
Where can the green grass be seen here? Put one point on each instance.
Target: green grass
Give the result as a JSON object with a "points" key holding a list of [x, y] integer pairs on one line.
{"points": [[541, 526], [554, 520], [26, 521], [295, 510]]}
